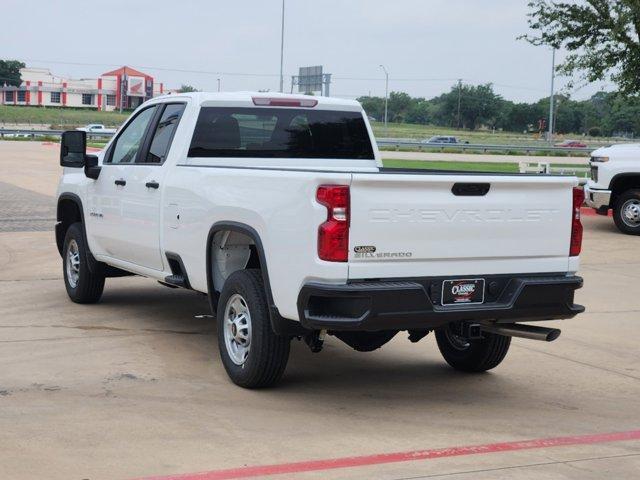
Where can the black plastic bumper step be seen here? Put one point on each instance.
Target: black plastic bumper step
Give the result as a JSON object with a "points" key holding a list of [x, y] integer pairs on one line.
{"points": [[177, 280]]}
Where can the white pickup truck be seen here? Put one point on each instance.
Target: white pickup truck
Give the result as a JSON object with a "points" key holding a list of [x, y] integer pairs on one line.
{"points": [[615, 184], [96, 128], [279, 209]]}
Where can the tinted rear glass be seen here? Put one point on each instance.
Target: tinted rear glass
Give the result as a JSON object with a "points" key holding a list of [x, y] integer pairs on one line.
{"points": [[280, 133]]}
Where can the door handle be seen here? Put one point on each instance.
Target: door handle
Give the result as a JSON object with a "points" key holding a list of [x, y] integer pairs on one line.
{"points": [[152, 184], [121, 182]]}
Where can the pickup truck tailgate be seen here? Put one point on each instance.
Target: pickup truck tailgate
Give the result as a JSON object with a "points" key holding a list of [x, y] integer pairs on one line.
{"points": [[414, 225]]}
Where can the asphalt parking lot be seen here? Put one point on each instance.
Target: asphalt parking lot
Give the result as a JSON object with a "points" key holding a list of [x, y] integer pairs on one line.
{"points": [[133, 387]]}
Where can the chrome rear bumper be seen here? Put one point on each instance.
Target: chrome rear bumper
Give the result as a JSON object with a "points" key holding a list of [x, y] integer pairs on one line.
{"points": [[597, 199]]}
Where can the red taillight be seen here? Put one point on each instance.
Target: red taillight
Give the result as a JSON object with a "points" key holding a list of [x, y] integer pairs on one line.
{"points": [[333, 235], [284, 102], [576, 224]]}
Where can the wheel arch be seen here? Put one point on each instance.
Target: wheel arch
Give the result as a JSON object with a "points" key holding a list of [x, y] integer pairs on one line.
{"points": [[69, 211], [622, 182], [280, 325]]}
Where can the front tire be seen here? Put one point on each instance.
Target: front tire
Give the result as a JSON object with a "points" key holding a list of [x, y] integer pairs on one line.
{"points": [[252, 354], [626, 212], [472, 355], [83, 285]]}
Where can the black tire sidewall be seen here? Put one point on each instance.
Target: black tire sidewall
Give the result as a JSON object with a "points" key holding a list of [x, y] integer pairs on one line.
{"points": [[479, 356], [251, 374], [89, 286], [617, 212], [73, 233]]}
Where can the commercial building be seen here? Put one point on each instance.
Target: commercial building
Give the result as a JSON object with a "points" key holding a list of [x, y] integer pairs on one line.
{"points": [[124, 88]]}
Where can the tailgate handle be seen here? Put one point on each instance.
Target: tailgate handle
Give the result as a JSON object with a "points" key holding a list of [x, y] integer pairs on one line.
{"points": [[470, 189]]}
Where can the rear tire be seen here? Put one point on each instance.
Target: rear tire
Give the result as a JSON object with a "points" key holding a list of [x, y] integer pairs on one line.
{"points": [[83, 285], [252, 354], [472, 355], [626, 212]]}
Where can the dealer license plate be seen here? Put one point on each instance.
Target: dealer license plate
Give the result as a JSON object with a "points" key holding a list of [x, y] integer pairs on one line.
{"points": [[463, 291]]}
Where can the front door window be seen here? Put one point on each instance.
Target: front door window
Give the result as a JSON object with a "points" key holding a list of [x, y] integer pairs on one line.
{"points": [[129, 141]]}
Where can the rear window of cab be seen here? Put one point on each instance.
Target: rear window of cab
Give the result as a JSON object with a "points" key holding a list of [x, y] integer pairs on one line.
{"points": [[280, 133]]}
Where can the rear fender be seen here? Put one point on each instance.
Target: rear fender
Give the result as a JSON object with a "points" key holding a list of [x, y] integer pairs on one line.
{"points": [[280, 325]]}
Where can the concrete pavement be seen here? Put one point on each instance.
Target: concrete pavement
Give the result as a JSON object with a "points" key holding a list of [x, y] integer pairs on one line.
{"points": [[133, 386]]}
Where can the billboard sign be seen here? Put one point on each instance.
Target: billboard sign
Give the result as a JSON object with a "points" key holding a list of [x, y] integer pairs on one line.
{"points": [[135, 86], [310, 79]]}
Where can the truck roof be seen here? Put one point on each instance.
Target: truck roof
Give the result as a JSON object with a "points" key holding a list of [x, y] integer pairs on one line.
{"points": [[247, 98]]}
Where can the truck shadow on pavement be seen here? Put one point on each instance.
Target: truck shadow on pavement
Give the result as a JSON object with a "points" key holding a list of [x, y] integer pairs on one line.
{"points": [[400, 371], [599, 224]]}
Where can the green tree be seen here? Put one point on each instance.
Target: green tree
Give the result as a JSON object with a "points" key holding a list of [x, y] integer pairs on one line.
{"points": [[10, 72], [420, 111], [399, 104], [624, 117], [569, 116], [601, 37], [186, 89], [374, 106], [595, 132], [595, 110], [479, 105], [522, 117]]}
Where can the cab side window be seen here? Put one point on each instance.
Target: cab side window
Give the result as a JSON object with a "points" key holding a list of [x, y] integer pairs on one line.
{"points": [[163, 135], [130, 140]]}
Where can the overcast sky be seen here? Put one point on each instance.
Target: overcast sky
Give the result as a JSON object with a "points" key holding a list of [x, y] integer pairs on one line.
{"points": [[425, 44]]}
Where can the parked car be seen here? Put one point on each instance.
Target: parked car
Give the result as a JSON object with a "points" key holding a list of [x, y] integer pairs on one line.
{"points": [[615, 185], [571, 144], [278, 208], [443, 139], [96, 128]]}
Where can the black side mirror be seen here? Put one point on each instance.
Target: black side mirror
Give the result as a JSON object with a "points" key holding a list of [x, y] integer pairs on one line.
{"points": [[91, 168], [73, 149]]}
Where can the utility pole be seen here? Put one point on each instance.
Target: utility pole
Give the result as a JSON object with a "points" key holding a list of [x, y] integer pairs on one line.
{"points": [[551, 98], [282, 51], [123, 90], [459, 99], [386, 101], [326, 81]]}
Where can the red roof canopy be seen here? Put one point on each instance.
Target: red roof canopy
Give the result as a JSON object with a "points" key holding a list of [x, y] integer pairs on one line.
{"points": [[126, 71]]}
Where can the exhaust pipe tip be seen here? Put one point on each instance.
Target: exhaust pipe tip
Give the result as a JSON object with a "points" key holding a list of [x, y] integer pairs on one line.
{"points": [[553, 334], [523, 331]]}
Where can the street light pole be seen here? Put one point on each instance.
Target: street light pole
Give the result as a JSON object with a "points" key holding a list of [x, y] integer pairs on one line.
{"points": [[551, 98], [282, 52], [386, 101], [459, 99]]}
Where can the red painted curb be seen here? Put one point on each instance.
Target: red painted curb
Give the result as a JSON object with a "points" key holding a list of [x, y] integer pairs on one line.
{"points": [[366, 460], [590, 212]]}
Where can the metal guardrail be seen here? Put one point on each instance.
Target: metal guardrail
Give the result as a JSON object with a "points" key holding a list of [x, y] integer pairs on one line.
{"points": [[481, 147], [580, 171], [24, 133], [381, 143]]}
